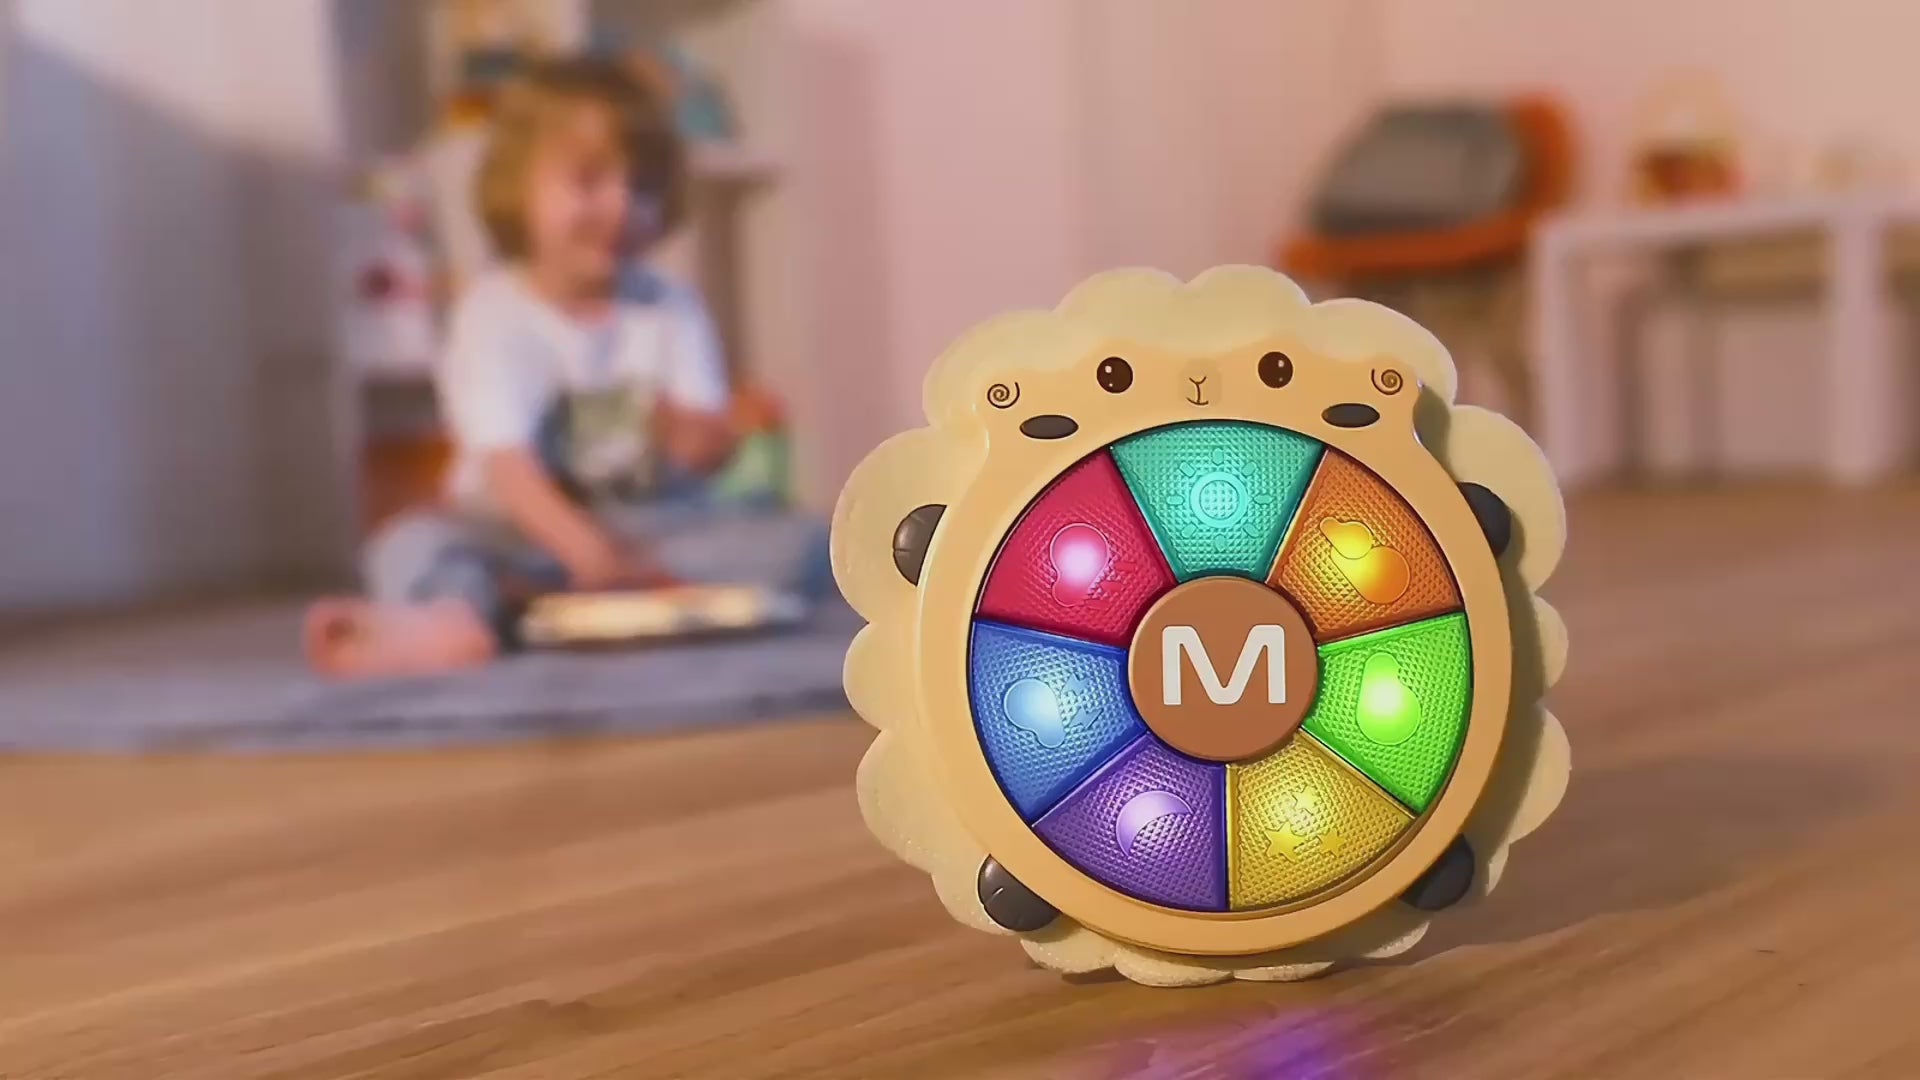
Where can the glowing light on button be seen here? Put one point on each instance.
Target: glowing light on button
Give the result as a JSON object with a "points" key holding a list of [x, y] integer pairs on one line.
{"points": [[1376, 571], [1389, 714], [1034, 708], [1080, 556], [1143, 810]]}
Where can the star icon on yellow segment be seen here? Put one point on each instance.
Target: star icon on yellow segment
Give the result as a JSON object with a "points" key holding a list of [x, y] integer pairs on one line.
{"points": [[1286, 843], [1302, 832], [1293, 847]]}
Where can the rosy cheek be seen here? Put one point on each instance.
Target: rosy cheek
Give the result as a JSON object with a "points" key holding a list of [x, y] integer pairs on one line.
{"points": [[552, 205]]}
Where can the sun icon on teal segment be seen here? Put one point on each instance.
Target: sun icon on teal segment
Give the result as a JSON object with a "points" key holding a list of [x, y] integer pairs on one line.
{"points": [[1220, 499], [1220, 503], [1218, 495]]}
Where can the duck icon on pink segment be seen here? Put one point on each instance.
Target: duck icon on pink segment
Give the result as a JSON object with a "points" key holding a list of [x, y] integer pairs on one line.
{"points": [[1080, 557]]}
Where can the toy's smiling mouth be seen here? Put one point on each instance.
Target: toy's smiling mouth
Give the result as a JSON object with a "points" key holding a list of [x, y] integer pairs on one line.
{"points": [[1199, 395]]}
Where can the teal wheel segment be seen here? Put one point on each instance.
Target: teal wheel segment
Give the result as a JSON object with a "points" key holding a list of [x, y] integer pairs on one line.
{"points": [[1219, 495], [1049, 710]]}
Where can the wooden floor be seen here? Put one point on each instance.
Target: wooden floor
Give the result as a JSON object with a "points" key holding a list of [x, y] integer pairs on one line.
{"points": [[1732, 888]]}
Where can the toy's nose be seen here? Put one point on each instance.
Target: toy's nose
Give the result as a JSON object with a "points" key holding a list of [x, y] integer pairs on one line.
{"points": [[1197, 372]]}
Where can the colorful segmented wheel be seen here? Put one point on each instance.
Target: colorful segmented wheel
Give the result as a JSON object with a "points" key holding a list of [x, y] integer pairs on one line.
{"points": [[1245, 795], [1203, 639]]}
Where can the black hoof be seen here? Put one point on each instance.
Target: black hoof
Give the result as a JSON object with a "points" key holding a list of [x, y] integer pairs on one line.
{"points": [[1010, 903], [1496, 521], [911, 537], [1446, 881]]}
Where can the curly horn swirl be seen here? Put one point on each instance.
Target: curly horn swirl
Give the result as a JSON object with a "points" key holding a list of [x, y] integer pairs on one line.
{"points": [[1388, 381], [1002, 396]]}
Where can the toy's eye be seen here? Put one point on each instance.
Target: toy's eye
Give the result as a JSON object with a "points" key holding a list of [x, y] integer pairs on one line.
{"points": [[1115, 375], [1276, 369]]}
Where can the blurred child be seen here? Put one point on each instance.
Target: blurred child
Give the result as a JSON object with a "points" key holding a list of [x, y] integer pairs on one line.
{"points": [[582, 392]]}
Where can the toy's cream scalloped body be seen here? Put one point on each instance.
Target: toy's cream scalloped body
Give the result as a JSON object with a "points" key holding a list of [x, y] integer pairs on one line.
{"points": [[1037, 354]]}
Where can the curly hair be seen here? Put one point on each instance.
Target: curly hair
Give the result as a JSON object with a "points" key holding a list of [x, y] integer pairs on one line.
{"points": [[527, 109]]}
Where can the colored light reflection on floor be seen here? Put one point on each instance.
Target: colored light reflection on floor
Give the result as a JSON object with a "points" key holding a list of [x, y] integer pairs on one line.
{"points": [[1310, 1041]]}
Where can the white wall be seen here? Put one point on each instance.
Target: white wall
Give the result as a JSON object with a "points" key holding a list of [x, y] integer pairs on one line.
{"points": [[949, 161], [1799, 75], [1206, 122], [163, 380]]}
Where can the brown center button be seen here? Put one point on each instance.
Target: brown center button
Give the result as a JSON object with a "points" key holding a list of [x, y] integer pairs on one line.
{"points": [[1223, 669]]}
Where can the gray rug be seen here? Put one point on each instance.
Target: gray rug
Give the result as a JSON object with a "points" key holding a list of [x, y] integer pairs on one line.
{"points": [[232, 679]]}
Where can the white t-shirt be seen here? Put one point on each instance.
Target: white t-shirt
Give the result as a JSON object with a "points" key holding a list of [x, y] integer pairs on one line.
{"points": [[511, 358]]}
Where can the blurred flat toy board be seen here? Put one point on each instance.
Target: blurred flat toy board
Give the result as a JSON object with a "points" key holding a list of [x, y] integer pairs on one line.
{"points": [[580, 620]]}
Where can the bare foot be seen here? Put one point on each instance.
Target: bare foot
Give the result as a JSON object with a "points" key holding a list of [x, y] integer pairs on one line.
{"points": [[355, 639]]}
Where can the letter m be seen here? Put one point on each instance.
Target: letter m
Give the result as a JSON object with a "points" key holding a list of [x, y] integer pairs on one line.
{"points": [[1270, 640]]}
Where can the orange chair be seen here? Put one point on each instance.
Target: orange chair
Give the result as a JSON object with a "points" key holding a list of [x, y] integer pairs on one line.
{"points": [[1464, 280]]}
